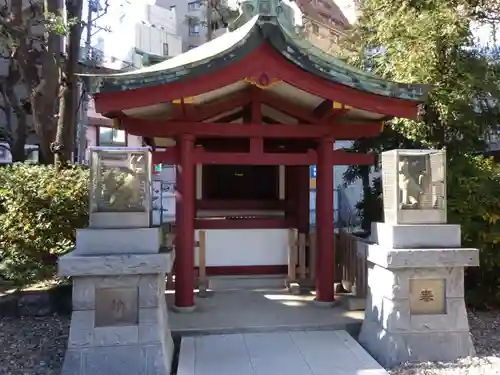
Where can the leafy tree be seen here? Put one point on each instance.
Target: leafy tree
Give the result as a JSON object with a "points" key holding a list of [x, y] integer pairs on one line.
{"points": [[32, 34], [68, 107], [431, 42]]}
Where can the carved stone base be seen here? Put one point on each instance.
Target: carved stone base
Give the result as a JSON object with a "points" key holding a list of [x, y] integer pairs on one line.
{"points": [[415, 311], [392, 349], [119, 324]]}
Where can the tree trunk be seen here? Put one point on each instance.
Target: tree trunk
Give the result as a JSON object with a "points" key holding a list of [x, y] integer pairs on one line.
{"points": [[20, 132], [43, 87], [64, 142]]}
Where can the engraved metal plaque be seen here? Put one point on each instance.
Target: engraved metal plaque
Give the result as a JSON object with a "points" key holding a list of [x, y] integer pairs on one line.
{"points": [[116, 307], [427, 296]]}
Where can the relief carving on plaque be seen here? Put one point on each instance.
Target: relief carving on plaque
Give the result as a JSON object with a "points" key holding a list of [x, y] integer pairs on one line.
{"points": [[116, 307], [427, 296]]}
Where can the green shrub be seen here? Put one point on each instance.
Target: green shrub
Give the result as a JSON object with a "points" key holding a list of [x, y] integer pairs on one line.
{"points": [[474, 203], [39, 212]]}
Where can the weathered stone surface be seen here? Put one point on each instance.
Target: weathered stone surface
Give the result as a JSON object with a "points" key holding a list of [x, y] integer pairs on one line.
{"points": [[116, 336], [355, 303], [390, 349], [149, 290], [110, 265], [393, 333], [421, 258], [92, 241], [84, 293], [119, 324], [81, 331], [112, 220], [123, 360], [408, 236], [72, 362], [395, 283], [117, 306]]}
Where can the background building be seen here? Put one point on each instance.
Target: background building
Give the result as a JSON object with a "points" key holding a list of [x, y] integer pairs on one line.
{"points": [[192, 19], [133, 32], [324, 23], [130, 36]]}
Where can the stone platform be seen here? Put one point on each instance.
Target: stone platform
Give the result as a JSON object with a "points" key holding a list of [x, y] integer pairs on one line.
{"points": [[272, 310], [276, 353]]}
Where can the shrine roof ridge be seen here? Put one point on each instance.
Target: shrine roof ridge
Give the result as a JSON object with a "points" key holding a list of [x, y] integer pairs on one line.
{"points": [[278, 32]]}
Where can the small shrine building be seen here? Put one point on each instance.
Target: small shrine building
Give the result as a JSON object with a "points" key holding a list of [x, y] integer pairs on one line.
{"points": [[243, 117]]}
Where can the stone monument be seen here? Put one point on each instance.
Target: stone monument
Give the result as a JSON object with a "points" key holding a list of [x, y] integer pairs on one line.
{"points": [[415, 308], [119, 324]]}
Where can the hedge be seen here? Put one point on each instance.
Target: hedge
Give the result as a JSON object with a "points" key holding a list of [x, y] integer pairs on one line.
{"points": [[39, 211]]}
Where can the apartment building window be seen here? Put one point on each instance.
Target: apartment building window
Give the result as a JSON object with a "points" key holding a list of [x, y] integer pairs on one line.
{"points": [[111, 137], [194, 28], [165, 49], [194, 5], [315, 28]]}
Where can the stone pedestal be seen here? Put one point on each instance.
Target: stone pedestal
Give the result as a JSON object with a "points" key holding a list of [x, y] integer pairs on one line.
{"points": [[105, 241], [119, 324], [415, 309]]}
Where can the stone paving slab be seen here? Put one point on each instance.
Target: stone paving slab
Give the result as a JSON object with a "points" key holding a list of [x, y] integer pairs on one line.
{"points": [[276, 353], [245, 311]]}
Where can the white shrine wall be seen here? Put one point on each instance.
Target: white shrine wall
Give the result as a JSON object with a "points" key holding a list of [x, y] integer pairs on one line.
{"points": [[244, 247]]}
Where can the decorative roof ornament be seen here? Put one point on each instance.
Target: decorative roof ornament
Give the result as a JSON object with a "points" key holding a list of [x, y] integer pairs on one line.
{"points": [[269, 11]]}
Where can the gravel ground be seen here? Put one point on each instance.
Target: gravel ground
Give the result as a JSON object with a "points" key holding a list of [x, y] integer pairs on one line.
{"points": [[485, 328], [35, 346]]}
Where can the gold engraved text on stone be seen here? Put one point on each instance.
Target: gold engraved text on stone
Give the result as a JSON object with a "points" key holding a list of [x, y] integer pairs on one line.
{"points": [[426, 295]]}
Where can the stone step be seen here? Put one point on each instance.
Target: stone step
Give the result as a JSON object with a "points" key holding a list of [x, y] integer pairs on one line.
{"points": [[292, 353], [222, 283]]}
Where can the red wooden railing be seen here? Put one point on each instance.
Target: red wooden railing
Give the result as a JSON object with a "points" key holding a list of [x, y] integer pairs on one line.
{"points": [[352, 262]]}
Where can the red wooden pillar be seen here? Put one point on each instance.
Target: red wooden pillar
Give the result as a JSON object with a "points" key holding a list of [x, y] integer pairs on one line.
{"points": [[184, 217], [324, 222], [303, 198]]}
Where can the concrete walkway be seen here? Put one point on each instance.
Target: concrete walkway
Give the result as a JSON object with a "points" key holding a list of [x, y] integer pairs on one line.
{"points": [[242, 311], [276, 353]]}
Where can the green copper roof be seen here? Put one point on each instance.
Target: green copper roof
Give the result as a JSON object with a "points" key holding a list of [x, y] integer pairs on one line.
{"points": [[261, 21]]}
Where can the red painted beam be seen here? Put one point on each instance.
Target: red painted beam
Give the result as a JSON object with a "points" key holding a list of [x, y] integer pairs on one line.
{"points": [[153, 128], [169, 156], [232, 205], [256, 115], [263, 60], [117, 101], [240, 158], [247, 270], [340, 157], [296, 76]]}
